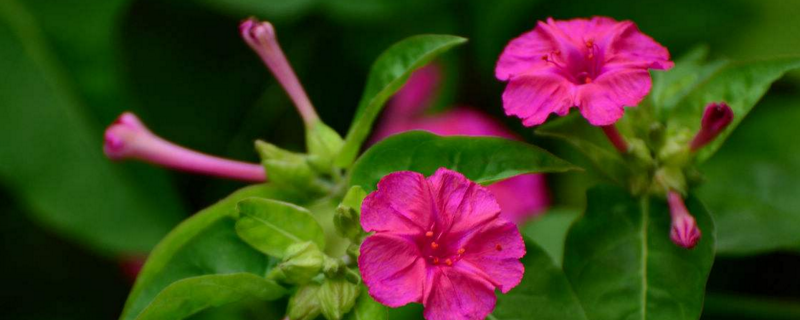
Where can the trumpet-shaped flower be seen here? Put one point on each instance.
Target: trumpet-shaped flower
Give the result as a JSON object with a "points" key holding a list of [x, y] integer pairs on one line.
{"points": [[599, 65], [440, 242]]}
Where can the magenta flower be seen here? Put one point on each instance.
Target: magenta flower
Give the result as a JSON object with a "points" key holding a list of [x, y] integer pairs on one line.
{"points": [[438, 241], [598, 64], [520, 197]]}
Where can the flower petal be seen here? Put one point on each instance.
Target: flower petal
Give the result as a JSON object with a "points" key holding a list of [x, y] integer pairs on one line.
{"points": [[630, 47], [533, 97], [463, 204], [495, 251], [457, 295], [402, 204], [393, 269], [524, 53], [602, 101]]}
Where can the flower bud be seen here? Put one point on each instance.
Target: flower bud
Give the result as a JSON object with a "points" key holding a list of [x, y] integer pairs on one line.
{"points": [[304, 304], [303, 261], [348, 215], [337, 297], [684, 232], [128, 138], [716, 118]]}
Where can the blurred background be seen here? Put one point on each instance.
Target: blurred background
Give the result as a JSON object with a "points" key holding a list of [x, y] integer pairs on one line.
{"points": [[73, 224]]}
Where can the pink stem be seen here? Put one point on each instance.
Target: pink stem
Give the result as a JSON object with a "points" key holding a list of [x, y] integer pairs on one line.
{"points": [[615, 138], [128, 138]]}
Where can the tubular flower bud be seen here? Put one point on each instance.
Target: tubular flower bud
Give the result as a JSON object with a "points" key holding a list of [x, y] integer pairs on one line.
{"points": [[260, 36], [685, 231], [128, 138], [716, 118]]}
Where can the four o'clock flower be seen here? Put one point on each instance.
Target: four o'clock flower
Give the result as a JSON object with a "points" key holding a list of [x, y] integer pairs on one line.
{"points": [[716, 118], [438, 241], [685, 231], [599, 65], [520, 197], [128, 138]]}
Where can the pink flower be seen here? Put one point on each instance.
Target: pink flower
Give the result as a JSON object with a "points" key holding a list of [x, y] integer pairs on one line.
{"points": [[438, 241], [520, 197], [599, 65]]}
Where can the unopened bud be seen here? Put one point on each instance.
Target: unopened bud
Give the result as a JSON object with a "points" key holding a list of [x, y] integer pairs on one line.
{"points": [[128, 138], [305, 304], [337, 297], [303, 261], [348, 214], [289, 169], [684, 232], [716, 118]]}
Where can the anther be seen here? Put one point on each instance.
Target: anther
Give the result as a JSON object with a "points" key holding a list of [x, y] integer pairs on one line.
{"points": [[434, 245], [435, 260], [429, 234], [448, 262], [498, 247], [589, 43], [461, 251]]}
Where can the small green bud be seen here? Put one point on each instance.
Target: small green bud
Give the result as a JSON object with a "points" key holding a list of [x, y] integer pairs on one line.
{"points": [[305, 304], [302, 262], [337, 297], [332, 267], [675, 151], [352, 276], [354, 251], [323, 144], [288, 168], [639, 151], [347, 219]]}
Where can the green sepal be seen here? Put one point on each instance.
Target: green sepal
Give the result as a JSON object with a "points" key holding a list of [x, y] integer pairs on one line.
{"points": [[304, 304], [289, 169], [323, 145], [337, 297], [348, 215], [303, 261]]}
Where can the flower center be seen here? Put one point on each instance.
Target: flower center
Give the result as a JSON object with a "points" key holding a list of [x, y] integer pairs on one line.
{"points": [[437, 250], [580, 66]]}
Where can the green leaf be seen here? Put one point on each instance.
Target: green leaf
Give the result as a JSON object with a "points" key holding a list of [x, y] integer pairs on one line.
{"points": [[388, 74], [672, 86], [544, 292], [204, 244], [623, 265], [272, 226], [186, 297], [481, 159], [739, 84], [549, 230], [367, 308], [753, 182], [51, 155], [591, 142]]}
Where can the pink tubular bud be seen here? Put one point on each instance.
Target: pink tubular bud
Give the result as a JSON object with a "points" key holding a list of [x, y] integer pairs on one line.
{"points": [[260, 36], [684, 232], [128, 138], [716, 118]]}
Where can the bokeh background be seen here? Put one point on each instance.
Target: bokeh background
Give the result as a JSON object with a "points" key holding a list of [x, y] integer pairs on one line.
{"points": [[71, 221]]}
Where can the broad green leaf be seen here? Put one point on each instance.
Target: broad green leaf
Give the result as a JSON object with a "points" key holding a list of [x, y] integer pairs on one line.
{"points": [[549, 230], [671, 86], [622, 264], [589, 141], [387, 76], [739, 84], [204, 244], [186, 297], [481, 159], [367, 308], [51, 155], [544, 292], [752, 184], [272, 226]]}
